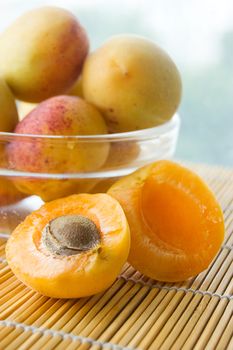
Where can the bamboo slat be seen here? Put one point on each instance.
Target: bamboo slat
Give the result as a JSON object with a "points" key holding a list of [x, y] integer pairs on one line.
{"points": [[135, 312]]}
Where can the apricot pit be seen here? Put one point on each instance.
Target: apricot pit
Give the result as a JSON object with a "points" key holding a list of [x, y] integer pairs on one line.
{"points": [[70, 234]]}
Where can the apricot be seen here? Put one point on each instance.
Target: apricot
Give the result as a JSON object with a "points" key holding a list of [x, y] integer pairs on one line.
{"points": [[176, 223], [42, 53], [60, 115], [71, 247], [133, 82], [8, 110], [51, 189], [121, 154]]}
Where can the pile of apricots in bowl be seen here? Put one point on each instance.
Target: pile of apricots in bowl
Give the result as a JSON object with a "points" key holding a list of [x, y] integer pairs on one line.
{"points": [[62, 111]]}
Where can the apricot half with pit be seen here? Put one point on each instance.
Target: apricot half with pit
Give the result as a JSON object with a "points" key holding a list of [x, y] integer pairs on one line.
{"points": [[176, 223], [71, 247]]}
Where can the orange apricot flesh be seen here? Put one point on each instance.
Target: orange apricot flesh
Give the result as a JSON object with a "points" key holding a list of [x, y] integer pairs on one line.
{"points": [[79, 275], [176, 223]]}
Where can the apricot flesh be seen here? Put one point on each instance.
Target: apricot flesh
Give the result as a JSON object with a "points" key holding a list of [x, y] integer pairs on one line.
{"points": [[133, 82], [78, 275], [65, 116], [42, 53], [176, 223]]}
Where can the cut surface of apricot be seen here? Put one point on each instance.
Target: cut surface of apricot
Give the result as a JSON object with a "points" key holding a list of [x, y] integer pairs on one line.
{"points": [[176, 223], [71, 247]]}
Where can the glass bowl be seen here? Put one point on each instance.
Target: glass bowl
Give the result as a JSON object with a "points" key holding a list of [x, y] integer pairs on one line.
{"points": [[38, 168]]}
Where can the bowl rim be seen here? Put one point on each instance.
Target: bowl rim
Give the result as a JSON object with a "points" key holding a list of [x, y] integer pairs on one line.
{"points": [[132, 135]]}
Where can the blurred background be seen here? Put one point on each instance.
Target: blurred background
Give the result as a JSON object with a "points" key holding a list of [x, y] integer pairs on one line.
{"points": [[198, 34]]}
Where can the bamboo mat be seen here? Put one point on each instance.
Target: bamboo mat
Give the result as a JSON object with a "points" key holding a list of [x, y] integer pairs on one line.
{"points": [[136, 312]]}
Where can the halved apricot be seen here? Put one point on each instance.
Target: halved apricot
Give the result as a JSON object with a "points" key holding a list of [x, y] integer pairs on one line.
{"points": [[71, 247], [176, 223]]}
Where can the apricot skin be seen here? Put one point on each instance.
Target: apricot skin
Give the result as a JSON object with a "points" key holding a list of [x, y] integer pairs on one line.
{"points": [[77, 88], [133, 82], [176, 224], [79, 275], [51, 189], [8, 110], [42, 53], [25, 107], [121, 154], [60, 115]]}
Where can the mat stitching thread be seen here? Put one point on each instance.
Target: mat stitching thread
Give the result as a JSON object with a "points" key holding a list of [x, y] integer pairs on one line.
{"points": [[63, 335], [178, 289]]}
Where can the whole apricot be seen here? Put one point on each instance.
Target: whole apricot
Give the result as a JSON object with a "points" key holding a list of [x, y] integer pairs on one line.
{"points": [[42, 53], [72, 247], [133, 82], [176, 223], [121, 154], [60, 115], [51, 189]]}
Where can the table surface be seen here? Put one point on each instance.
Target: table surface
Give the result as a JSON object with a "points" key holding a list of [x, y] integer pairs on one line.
{"points": [[136, 312]]}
